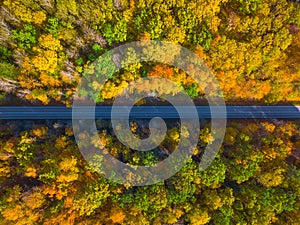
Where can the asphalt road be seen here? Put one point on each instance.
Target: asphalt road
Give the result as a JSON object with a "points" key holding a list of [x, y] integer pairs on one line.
{"points": [[104, 112]]}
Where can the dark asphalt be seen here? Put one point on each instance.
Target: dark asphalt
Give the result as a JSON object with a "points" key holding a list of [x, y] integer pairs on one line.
{"points": [[104, 112]]}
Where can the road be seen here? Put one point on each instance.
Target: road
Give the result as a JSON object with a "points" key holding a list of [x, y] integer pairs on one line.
{"points": [[104, 112]]}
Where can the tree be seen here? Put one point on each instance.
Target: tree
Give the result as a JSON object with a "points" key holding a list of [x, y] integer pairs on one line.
{"points": [[91, 197]]}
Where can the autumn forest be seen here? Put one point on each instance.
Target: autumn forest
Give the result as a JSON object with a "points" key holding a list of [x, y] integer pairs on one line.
{"points": [[251, 46]]}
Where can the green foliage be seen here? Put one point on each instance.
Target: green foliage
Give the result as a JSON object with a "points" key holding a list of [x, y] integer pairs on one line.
{"points": [[148, 21], [223, 216], [202, 37], [145, 159], [151, 200], [5, 53], [25, 37], [92, 197], [56, 207], [249, 6], [116, 32], [97, 48], [2, 96], [182, 187], [25, 151], [92, 57], [214, 175], [262, 204], [245, 164], [8, 71], [80, 62], [53, 25], [48, 173], [192, 90]]}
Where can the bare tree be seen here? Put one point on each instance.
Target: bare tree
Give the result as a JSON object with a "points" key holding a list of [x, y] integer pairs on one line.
{"points": [[67, 74], [12, 87], [9, 16], [89, 33], [118, 4], [93, 35], [80, 42], [231, 19], [70, 69], [100, 40], [72, 52], [76, 21], [19, 56], [48, 5], [5, 33]]}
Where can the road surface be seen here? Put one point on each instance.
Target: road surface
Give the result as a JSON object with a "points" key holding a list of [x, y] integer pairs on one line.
{"points": [[104, 112]]}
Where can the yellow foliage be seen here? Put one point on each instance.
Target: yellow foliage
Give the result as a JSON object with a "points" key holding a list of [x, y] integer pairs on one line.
{"points": [[199, 218], [70, 5], [69, 131], [96, 85], [50, 43], [145, 37], [176, 35], [113, 151], [40, 95], [213, 199], [68, 202], [68, 164], [196, 151], [49, 81], [66, 178], [27, 66], [45, 61], [129, 10], [56, 191], [214, 23], [269, 127], [136, 217], [133, 126], [174, 134], [31, 172], [251, 128], [69, 171], [65, 79], [39, 17], [61, 219], [117, 217], [260, 90], [99, 142], [50, 190], [40, 132], [13, 213], [5, 170], [205, 136], [61, 142], [171, 216], [272, 178], [40, 63], [20, 10]]}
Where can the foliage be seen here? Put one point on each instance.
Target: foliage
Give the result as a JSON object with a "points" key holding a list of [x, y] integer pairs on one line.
{"points": [[8, 71], [251, 46], [242, 184], [25, 37], [52, 26]]}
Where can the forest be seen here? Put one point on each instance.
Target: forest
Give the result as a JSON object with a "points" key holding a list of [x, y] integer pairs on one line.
{"points": [[251, 46]]}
